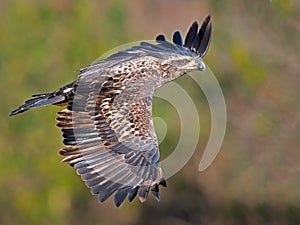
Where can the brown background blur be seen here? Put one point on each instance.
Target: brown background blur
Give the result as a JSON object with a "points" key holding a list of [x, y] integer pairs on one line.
{"points": [[254, 54]]}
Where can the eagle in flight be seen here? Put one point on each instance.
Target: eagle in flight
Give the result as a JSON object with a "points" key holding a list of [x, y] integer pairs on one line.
{"points": [[107, 125]]}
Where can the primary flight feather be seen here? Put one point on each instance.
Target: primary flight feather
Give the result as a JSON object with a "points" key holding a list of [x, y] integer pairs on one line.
{"points": [[107, 125]]}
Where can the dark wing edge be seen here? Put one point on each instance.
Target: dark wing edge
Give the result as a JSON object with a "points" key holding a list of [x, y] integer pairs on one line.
{"points": [[177, 39], [191, 36], [199, 41], [196, 41], [160, 37], [204, 37]]}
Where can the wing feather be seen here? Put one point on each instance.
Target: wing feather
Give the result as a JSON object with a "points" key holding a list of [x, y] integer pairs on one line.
{"points": [[191, 36], [204, 37], [112, 155], [177, 39], [121, 194]]}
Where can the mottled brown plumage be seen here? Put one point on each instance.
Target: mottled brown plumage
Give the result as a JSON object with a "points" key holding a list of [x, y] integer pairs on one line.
{"points": [[107, 126]]}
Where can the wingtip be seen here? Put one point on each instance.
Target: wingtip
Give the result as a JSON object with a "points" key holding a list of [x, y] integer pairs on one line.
{"points": [[155, 192], [207, 21], [177, 39], [160, 37], [208, 18], [163, 182], [143, 192], [194, 24], [191, 35], [118, 202], [206, 33]]}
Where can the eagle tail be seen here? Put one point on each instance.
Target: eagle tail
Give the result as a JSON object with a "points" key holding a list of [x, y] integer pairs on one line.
{"points": [[58, 97], [38, 101]]}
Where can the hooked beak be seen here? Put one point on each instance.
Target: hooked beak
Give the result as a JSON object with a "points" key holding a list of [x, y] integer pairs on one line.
{"points": [[197, 64], [201, 66]]}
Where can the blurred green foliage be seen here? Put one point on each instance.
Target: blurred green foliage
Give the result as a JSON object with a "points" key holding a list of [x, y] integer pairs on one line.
{"points": [[254, 54], [284, 7], [247, 65]]}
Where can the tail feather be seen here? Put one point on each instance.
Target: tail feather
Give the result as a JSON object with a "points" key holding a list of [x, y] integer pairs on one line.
{"points": [[38, 101], [58, 97]]}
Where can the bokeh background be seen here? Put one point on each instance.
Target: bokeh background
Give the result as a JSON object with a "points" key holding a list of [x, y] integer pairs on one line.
{"points": [[255, 55]]}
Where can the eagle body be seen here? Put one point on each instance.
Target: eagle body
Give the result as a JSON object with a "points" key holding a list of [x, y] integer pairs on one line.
{"points": [[107, 125]]}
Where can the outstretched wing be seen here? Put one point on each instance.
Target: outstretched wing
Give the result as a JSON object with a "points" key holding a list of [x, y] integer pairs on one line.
{"points": [[109, 138]]}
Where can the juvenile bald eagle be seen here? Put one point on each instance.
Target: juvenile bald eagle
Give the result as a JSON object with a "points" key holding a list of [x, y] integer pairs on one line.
{"points": [[107, 125]]}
